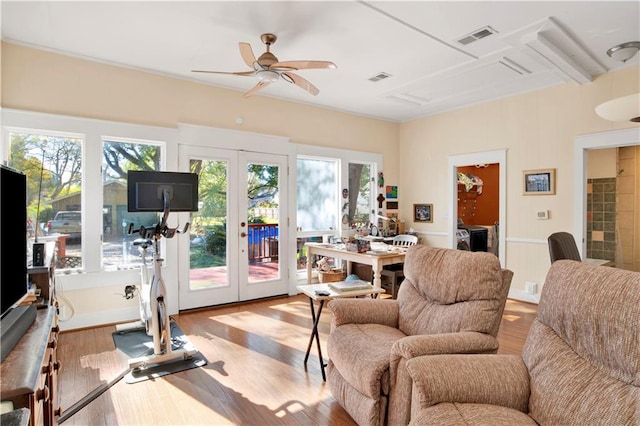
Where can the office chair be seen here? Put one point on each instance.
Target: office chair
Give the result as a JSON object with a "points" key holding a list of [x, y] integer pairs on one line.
{"points": [[562, 245]]}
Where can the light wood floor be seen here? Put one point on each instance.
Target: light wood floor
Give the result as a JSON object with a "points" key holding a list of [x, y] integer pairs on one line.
{"points": [[255, 374]]}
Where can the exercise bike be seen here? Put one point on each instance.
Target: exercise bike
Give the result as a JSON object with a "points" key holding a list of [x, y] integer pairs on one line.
{"points": [[152, 294]]}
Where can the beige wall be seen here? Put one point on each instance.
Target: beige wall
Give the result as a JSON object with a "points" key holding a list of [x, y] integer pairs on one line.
{"points": [[41, 81], [601, 163], [537, 130]]}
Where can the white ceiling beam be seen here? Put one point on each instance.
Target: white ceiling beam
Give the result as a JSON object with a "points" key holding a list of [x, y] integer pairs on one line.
{"points": [[552, 55]]}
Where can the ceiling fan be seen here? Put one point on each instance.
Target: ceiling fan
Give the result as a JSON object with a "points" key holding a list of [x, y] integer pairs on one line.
{"points": [[268, 69]]}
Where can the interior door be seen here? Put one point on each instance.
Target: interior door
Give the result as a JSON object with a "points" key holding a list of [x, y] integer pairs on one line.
{"points": [[234, 250]]}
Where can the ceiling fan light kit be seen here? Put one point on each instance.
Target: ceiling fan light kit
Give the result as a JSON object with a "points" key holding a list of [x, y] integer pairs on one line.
{"points": [[266, 75], [269, 69]]}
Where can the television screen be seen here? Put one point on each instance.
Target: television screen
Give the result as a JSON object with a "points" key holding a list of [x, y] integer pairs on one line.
{"points": [[146, 191], [13, 238]]}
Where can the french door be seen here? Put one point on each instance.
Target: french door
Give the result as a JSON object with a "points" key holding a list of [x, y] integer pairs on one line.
{"points": [[234, 246]]}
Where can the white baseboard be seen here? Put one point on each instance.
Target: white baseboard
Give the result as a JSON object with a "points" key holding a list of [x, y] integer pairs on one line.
{"points": [[96, 319], [523, 296]]}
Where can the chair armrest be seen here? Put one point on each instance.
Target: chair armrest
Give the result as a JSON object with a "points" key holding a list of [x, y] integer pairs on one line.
{"points": [[465, 342], [403, 350], [364, 311], [484, 379]]}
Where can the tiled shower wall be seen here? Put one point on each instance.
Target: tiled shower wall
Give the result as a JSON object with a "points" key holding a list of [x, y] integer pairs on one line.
{"points": [[628, 208], [601, 218]]}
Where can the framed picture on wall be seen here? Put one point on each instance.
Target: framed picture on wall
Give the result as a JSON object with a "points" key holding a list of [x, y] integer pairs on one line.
{"points": [[423, 213], [539, 182], [392, 192]]}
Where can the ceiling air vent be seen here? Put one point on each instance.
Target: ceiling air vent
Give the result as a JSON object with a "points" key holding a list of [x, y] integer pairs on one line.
{"points": [[379, 76], [476, 35]]}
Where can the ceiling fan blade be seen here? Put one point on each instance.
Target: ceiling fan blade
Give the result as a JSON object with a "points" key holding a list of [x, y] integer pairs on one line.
{"points": [[247, 54], [304, 65], [300, 82], [260, 85], [248, 73]]}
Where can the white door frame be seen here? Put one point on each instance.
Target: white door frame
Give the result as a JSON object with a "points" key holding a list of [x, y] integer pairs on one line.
{"points": [[210, 137], [581, 144], [486, 157]]}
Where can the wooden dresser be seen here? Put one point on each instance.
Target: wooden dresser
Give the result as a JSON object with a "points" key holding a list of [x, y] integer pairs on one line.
{"points": [[30, 371]]}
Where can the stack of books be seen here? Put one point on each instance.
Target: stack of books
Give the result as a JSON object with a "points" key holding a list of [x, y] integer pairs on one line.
{"points": [[350, 285]]}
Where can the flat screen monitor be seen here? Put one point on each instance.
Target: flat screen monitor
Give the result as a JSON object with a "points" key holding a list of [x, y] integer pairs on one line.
{"points": [[146, 190]]}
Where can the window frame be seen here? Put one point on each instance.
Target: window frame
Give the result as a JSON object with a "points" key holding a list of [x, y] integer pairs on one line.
{"points": [[344, 157], [92, 132]]}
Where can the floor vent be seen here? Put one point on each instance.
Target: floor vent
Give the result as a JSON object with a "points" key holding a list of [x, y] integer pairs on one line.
{"points": [[379, 76], [476, 35]]}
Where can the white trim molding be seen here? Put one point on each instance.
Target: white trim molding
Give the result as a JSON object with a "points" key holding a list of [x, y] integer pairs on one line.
{"points": [[487, 157]]}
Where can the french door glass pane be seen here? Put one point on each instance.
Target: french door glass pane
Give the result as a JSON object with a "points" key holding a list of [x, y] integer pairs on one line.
{"points": [[208, 266], [263, 226], [118, 157], [53, 165]]}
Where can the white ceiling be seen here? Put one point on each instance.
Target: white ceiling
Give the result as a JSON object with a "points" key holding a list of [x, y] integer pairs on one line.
{"points": [[536, 45]]}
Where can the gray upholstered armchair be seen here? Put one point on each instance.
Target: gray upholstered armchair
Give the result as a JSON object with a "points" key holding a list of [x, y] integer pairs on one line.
{"points": [[450, 302], [580, 363]]}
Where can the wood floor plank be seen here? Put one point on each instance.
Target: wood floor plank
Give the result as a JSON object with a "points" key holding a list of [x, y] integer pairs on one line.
{"points": [[255, 372]]}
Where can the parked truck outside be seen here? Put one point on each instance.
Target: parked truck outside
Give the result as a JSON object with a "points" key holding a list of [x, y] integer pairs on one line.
{"points": [[66, 222]]}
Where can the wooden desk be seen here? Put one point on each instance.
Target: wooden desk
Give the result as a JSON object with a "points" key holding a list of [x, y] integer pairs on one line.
{"points": [[310, 291], [377, 261]]}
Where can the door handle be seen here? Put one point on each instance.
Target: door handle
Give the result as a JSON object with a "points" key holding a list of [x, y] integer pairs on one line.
{"points": [[243, 234]]}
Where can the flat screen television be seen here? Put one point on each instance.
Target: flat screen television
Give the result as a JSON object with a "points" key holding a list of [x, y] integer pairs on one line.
{"points": [[13, 238], [14, 320], [145, 191]]}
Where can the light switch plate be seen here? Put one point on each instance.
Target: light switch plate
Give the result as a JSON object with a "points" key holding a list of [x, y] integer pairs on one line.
{"points": [[542, 215]]}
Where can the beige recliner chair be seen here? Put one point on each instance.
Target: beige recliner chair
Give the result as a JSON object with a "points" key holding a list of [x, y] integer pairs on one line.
{"points": [[580, 363], [451, 301]]}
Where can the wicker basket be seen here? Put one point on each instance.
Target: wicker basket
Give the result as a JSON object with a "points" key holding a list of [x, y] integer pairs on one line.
{"points": [[331, 276]]}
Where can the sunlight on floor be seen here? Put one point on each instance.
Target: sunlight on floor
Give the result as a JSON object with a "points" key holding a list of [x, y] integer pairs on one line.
{"points": [[511, 307], [511, 317]]}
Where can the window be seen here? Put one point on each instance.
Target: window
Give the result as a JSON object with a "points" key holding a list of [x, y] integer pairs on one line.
{"points": [[53, 165], [317, 194], [118, 157], [360, 201], [335, 193]]}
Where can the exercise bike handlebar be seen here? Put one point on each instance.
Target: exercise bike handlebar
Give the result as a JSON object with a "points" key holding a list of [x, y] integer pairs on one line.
{"points": [[161, 229]]}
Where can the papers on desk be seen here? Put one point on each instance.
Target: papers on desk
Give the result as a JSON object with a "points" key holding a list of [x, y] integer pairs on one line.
{"points": [[350, 285]]}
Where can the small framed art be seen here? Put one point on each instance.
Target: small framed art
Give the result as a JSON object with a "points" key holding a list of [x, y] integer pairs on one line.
{"points": [[539, 182], [392, 192], [423, 212]]}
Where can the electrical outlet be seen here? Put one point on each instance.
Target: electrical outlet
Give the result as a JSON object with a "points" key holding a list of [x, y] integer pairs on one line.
{"points": [[542, 215], [531, 287]]}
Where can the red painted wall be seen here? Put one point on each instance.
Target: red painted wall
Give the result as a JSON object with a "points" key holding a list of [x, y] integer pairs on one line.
{"points": [[480, 209]]}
